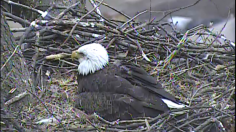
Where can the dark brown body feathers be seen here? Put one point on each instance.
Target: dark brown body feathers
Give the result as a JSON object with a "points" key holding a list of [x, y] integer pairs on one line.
{"points": [[121, 91]]}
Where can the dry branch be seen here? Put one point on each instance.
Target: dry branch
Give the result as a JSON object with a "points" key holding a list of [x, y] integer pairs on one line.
{"points": [[198, 72]]}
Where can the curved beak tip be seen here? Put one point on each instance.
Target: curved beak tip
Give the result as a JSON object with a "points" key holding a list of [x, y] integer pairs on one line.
{"points": [[73, 55]]}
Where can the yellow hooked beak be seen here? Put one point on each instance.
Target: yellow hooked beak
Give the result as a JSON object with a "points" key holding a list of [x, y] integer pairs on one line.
{"points": [[76, 55]]}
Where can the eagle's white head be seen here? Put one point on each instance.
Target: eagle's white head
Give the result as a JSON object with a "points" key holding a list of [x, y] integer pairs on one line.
{"points": [[92, 57]]}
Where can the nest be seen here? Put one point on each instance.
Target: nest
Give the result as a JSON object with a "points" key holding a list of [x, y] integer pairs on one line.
{"points": [[196, 66]]}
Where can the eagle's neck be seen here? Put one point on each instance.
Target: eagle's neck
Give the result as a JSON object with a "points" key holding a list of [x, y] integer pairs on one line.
{"points": [[88, 68]]}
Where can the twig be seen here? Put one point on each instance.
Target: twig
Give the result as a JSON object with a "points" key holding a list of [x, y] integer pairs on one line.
{"points": [[57, 56], [179, 46], [105, 121], [16, 98], [16, 18], [51, 113], [15, 123], [43, 14], [97, 10], [140, 49], [178, 9], [72, 30], [9, 57], [133, 18], [114, 9], [209, 121], [66, 10]]}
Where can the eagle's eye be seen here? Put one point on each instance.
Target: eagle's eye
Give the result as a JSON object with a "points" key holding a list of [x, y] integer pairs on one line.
{"points": [[80, 54]]}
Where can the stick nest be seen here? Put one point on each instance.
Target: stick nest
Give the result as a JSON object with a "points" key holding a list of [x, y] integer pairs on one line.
{"points": [[196, 66]]}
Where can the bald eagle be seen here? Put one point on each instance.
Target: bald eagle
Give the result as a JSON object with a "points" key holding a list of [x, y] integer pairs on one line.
{"points": [[120, 90]]}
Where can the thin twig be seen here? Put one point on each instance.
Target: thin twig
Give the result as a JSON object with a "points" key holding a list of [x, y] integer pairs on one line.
{"points": [[72, 30]]}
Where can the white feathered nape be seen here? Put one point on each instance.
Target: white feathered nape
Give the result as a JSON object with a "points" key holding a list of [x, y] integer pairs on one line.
{"points": [[95, 58]]}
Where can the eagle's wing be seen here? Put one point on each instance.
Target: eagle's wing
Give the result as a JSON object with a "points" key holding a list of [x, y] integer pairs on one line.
{"points": [[113, 106], [139, 77], [107, 81]]}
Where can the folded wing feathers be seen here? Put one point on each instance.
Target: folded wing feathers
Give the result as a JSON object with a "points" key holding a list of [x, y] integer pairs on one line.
{"points": [[145, 78]]}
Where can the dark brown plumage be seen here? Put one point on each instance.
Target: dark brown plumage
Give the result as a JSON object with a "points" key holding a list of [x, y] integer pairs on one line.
{"points": [[121, 91]]}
